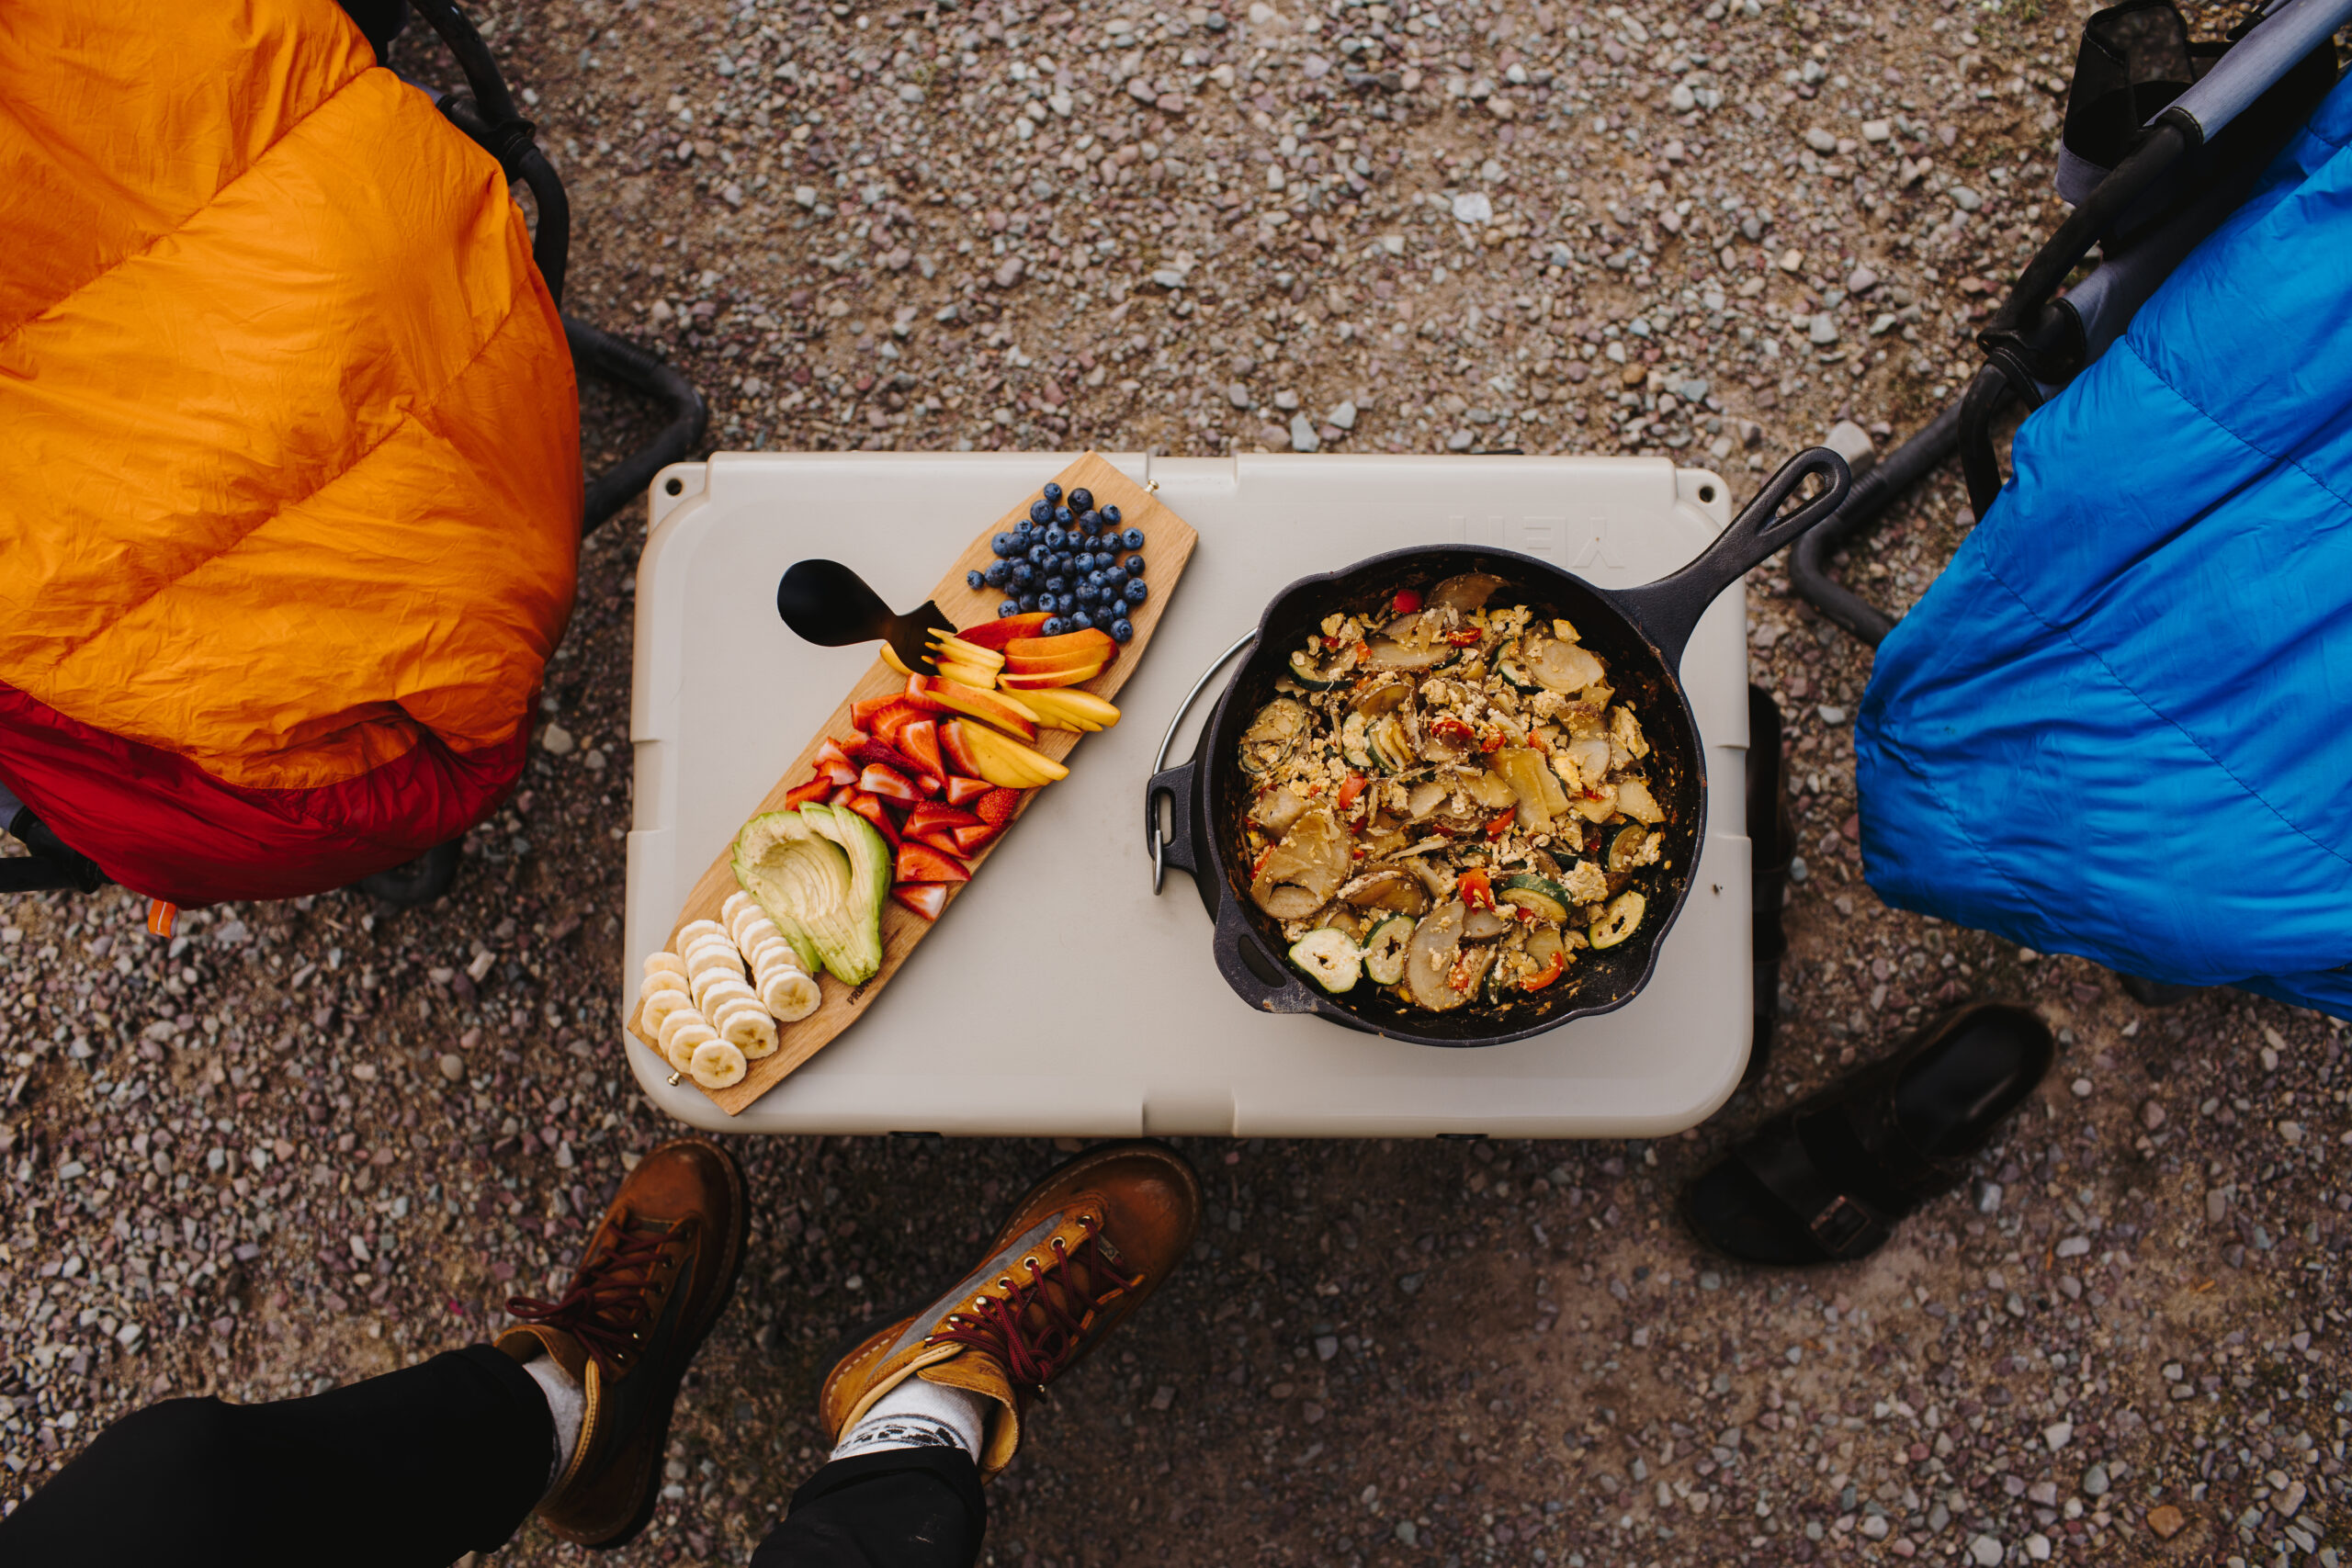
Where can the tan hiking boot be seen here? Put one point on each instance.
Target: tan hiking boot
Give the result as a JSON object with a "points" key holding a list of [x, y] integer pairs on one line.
{"points": [[1081, 1252], [655, 1276]]}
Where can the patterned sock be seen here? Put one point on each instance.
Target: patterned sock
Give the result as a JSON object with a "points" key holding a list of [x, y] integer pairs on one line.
{"points": [[566, 1402], [918, 1415]]}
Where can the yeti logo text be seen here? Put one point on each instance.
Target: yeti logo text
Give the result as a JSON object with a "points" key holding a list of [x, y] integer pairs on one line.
{"points": [[1534, 536], [1597, 550]]}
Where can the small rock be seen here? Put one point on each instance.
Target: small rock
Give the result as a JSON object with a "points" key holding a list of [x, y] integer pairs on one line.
{"points": [[2058, 1435], [2291, 1131], [2082, 1088], [2151, 1115], [1824, 330], [1344, 416], [1326, 1347], [1169, 278], [1831, 714], [556, 741], [453, 1067], [1792, 259], [1474, 207], [1986, 1551], [1964, 199], [1237, 395], [1286, 401], [1862, 280], [2094, 1482], [1162, 1397], [1820, 140], [1010, 272], [1406, 1533], [2074, 1247], [1682, 100], [1877, 130], [1302, 433], [2167, 1520], [2288, 1503]]}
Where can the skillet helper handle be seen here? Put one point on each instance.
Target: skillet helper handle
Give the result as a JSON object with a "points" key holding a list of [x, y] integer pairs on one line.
{"points": [[1669, 610], [1175, 848], [1233, 935]]}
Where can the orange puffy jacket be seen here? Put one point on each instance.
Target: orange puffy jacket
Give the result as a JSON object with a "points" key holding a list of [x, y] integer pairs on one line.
{"points": [[290, 457]]}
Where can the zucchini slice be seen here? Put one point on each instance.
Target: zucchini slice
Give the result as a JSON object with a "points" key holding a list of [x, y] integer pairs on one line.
{"points": [[1280, 726], [1320, 677], [1390, 748], [1534, 893], [1383, 949], [1625, 849], [1330, 958], [1619, 921], [1354, 743], [1511, 665]]}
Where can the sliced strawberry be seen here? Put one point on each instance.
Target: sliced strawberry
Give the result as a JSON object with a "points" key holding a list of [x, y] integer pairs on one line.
{"points": [[816, 788], [833, 764], [892, 719], [940, 839], [968, 841], [997, 806], [843, 796], [889, 783], [867, 753], [920, 862], [920, 740], [861, 714], [931, 817], [919, 693], [925, 898], [871, 809], [962, 791]]}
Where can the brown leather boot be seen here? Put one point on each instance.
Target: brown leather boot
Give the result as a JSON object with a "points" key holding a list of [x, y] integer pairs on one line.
{"points": [[655, 1276], [1081, 1252]]}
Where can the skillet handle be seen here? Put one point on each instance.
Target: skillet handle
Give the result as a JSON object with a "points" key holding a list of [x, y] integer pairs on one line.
{"points": [[1669, 610], [1174, 785], [1233, 943]]}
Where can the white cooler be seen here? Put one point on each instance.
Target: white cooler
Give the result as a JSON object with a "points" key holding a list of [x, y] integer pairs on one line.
{"points": [[1058, 996]]}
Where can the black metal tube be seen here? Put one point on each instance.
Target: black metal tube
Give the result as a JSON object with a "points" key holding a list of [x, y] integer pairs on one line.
{"points": [[31, 874], [1885, 483], [473, 58], [618, 360], [552, 242], [1983, 401]]}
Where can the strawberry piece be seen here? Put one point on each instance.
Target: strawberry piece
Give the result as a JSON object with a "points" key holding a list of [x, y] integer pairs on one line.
{"points": [[931, 817], [833, 764], [889, 783], [941, 838], [969, 841], [962, 791], [925, 898], [868, 753], [918, 739], [920, 862], [888, 722], [919, 693], [871, 809], [996, 807], [861, 714], [843, 796], [816, 788]]}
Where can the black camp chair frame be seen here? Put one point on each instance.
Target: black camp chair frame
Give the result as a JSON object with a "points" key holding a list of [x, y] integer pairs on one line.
{"points": [[486, 112], [2187, 169]]}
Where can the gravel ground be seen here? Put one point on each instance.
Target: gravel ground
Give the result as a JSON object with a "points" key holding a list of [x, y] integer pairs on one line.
{"points": [[299, 1144]]}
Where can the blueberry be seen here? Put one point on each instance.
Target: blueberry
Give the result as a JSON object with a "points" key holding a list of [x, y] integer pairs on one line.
{"points": [[1056, 538], [1040, 512], [1024, 530], [1137, 593], [976, 579], [1053, 494], [1121, 629], [1023, 574], [1049, 603], [1110, 516], [1081, 500], [1028, 603], [1055, 625], [1090, 522], [1083, 562], [998, 573], [1009, 607], [1057, 583], [1114, 578], [1132, 538], [1081, 622], [1065, 516], [1004, 545], [1134, 565], [1037, 554]]}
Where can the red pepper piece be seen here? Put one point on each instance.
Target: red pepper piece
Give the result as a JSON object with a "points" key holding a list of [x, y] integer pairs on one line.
{"points": [[1475, 890], [1546, 974], [1407, 600]]}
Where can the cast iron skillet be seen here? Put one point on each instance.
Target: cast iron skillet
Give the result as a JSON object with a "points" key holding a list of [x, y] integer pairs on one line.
{"points": [[1638, 632]]}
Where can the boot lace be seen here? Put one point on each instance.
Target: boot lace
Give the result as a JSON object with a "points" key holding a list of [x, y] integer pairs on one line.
{"points": [[1038, 1326], [610, 1303]]}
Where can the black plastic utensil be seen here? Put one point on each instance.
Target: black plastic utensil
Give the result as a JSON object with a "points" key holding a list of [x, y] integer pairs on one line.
{"points": [[826, 603]]}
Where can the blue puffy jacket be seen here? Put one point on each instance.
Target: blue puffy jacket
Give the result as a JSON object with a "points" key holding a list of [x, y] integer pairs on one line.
{"points": [[2121, 724]]}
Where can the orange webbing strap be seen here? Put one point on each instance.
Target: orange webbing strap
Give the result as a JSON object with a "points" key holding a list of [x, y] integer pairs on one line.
{"points": [[162, 917]]}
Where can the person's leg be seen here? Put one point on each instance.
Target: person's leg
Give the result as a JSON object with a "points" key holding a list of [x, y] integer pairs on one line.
{"points": [[417, 1467], [927, 1408], [569, 1412]]}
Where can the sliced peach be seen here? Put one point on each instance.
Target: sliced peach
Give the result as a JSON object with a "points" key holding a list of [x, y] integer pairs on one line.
{"points": [[1048, 679], [1092, 641], [1004, 629]]}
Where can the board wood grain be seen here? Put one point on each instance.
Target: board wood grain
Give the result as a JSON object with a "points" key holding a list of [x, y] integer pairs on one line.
{"points": [[1168, 544]]}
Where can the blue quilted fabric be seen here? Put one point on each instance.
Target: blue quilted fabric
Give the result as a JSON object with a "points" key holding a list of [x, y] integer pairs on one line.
{"points": [[2121, 724]]}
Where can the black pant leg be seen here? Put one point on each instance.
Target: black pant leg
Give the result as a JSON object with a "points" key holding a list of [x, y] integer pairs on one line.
{"points": [[900, 1508], [411, 1470]]}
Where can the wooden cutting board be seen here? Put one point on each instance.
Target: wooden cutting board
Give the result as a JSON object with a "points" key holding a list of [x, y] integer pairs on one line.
{"points": [[1168, 544]]}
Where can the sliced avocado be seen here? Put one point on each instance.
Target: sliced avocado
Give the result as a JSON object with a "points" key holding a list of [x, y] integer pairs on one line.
{"points": [[816, 880], [870, 869]]}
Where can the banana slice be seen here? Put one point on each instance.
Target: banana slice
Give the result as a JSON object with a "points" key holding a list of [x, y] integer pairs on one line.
{"points": [[695, 930], [708, 995], [748, 1030], [655, 1008], [788, 994], [716, 1064], [665, 980], [663, 964], [681, 1033], [712, 951], [737, 901]]}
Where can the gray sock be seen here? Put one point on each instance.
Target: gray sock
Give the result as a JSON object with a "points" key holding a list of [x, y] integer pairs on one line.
{"points": [[919, 1415], [566, 1402]]}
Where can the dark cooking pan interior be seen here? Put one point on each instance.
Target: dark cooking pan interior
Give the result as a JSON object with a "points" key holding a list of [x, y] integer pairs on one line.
{"points": [[1597, 981]]}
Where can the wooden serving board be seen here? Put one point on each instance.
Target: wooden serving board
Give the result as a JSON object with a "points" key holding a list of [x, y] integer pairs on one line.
{"points": [[1168, 544]]}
